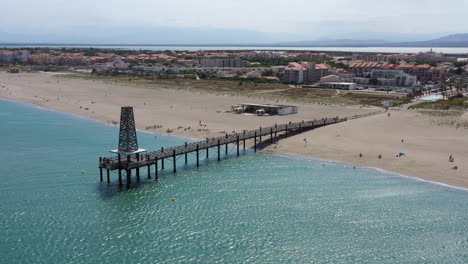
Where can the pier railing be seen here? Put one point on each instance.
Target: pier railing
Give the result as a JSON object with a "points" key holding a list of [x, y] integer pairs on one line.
{"points": [[137, 161]]}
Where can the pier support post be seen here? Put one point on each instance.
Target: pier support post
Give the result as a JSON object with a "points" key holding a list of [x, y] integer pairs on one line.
{"points": [[260, 135], [138, 168], [129, 177], [226, 152], [276, 130], [162, 159], [149, 172], [286, 131], [108, 176], [244, 140], [271, 135], [198, 160], [156, 169], [219, 150], [255, 141], [174, 161], [238, 145], [207, 152], [100, 169], [120, 177], [185, 153]]}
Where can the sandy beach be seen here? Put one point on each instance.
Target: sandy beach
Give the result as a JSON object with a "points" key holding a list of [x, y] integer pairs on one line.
{"points": [[426, 142]]}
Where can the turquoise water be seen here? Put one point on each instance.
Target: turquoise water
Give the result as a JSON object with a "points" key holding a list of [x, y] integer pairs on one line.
{"points": [[258, 208], [431, 98]]}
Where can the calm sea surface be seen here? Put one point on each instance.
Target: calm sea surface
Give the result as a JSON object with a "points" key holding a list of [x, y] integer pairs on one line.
{"points": [[347, 49], [259, 208]]}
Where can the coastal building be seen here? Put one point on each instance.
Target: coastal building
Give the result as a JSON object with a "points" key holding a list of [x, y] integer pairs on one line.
{"points": [[253, 74], [393, 77], [362, 66], [264, 109], [339, 85], [294, 73], [330, 78], [304, 72], [14, 56], [424, 73], [224, 63], [397, 58]]}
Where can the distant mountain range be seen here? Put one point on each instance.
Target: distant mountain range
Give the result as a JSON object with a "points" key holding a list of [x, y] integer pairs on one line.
{"points": [[456, 40]]}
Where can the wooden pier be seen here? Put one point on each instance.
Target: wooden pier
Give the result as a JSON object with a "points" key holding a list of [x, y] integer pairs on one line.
{"points": [[129, 162]]}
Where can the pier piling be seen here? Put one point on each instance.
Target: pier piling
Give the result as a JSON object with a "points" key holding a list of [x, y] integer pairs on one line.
{"points": [[198, 152], [156, 169], [186, 153], [226, 152], [244, 140], [100, 169], [129, 177], [219, 150], [162, 159], [138, 168], [271, 135], [238, 145], [255, 141], [174, 160]]}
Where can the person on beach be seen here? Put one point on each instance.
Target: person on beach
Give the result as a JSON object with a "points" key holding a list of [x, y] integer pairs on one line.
{"points": [[380, 156], [360, 155], [305, 142], [451, 159]]}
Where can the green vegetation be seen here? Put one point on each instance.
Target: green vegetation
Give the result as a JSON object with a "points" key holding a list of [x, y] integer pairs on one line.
{"points": [[460, 64], [376, 99], [258, 65], [432, 63], [269, 73], [256, 88], [373, 81], [90, 52], [338, 65], [455, 104]]}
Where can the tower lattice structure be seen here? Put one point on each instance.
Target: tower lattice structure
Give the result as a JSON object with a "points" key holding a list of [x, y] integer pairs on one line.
{"points": [[128, 141]]}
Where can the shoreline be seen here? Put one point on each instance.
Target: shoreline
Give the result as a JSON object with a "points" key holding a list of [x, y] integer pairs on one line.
{"points": [[275, 153], [426, 143], [380, 170]]}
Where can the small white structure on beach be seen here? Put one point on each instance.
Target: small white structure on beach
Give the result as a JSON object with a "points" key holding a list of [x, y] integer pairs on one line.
{"points": [[264, 109], [339, 85]]}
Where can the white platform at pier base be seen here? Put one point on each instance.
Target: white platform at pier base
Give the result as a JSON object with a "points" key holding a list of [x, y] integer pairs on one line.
{"points": [[128, 153]]}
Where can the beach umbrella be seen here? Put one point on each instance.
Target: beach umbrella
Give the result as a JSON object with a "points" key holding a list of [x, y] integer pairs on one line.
{"points": [[402, 154]]}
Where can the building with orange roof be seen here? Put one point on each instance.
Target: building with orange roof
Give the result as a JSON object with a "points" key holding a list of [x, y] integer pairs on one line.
{"points": [[305, 72]]}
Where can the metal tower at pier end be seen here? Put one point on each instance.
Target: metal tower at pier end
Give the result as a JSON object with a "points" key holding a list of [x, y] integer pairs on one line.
{"points": [[128, 142]]}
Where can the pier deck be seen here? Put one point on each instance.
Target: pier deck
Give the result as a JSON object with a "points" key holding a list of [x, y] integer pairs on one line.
{"points": [[139, 160]]}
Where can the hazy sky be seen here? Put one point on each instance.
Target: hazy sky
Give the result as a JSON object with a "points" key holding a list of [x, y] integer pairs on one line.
{"points": [[241, 21]]}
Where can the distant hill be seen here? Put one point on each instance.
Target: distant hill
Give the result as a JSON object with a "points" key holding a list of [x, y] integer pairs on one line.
{"points": [[456, 40], [334, 42]]}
